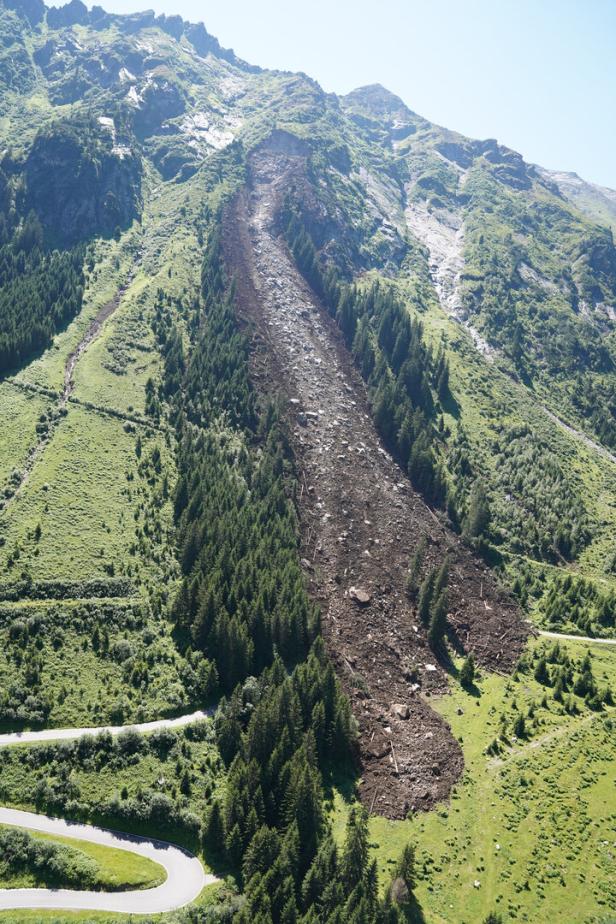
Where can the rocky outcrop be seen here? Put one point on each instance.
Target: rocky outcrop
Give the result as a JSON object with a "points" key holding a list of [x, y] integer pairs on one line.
{"points": [[31, 10], [74, 13], [161, 98], [507, 166], [81, 183]]}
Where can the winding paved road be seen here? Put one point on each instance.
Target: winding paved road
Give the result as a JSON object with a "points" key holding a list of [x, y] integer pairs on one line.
{"points": [[185, 874]]}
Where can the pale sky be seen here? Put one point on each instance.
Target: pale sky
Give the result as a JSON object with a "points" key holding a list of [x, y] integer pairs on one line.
{"points": [[538, 75]]}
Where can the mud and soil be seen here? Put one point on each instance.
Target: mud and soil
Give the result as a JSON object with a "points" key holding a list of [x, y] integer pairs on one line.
{"points": [[361, 519]]}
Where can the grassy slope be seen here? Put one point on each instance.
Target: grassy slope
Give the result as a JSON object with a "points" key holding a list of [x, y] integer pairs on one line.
{"points": [[19, 413], [161, 773], [488, 397], [117, 869], [76, 492], [92, 496], [534, 827], [88, 687]]}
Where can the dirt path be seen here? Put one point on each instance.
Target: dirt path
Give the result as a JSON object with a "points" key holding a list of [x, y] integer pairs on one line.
{"points": [[94, 329], [360, 518], [578, 638]]}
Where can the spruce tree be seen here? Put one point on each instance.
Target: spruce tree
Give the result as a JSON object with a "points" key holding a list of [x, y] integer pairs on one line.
{"points": [[438, 621], [425, 597], [412, 579], [478, 516], [467, 672], [355, 853], [214, 833], [541, 672], [405, 867]]}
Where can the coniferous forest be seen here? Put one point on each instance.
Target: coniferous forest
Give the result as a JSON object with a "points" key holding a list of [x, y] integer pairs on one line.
{"points": [[307, 498]]}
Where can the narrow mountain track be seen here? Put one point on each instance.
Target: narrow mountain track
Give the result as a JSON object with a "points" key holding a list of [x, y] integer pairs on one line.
{"points": [[145, 422], [522, 753], [589, 639], [361, 520], [186, 877], [581, 437]]}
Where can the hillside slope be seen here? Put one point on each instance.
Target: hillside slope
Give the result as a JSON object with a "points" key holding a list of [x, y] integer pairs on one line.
{"points": [[304, 401]]}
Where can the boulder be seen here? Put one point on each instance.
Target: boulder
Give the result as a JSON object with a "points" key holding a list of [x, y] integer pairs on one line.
{"points": [[360, 596]]}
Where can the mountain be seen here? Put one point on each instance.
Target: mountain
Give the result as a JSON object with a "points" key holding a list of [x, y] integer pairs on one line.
{"points": [[309, 416], [597, 202]]}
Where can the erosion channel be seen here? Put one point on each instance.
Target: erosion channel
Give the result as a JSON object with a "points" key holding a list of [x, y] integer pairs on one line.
{"points": [[361, 520]]}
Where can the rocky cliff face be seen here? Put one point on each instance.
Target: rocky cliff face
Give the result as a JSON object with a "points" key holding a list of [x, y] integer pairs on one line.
{"points": [[82, 181]]}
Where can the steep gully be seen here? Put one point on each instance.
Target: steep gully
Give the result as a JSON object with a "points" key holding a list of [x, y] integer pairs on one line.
{"points": [[441, 231], [360, 518]]}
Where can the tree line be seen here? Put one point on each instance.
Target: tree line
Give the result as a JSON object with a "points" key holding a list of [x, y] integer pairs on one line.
{"points": [[284, 720], [41, 290], [406, 381]]}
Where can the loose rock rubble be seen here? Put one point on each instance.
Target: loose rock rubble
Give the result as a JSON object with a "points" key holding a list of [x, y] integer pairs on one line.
{"points": [[361, 520]]}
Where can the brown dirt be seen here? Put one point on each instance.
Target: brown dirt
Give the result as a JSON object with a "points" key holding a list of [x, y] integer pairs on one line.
{"points": [[94, 329], [361, 520]]}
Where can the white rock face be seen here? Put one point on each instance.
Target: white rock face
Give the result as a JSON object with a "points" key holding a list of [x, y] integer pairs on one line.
{"points": [[133, 97], [204, 134], [382, 200], [120, 150], [442, 232], [125, 76], [531, 276]]}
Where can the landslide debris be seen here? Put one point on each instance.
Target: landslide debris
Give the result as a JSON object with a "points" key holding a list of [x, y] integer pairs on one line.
{"points": [[361, 519]]}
